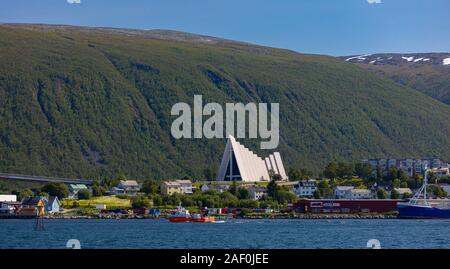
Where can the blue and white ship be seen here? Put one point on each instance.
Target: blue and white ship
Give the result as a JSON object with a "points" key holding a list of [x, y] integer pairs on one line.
{"points": [[419, 207]]}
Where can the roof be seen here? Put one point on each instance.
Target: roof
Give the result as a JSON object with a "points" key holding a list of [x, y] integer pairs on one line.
{"points": [[31, 200], [403, 190], [172, 183], [257, 189], [217, 186], [251, 167], [184, 181], [129, 183], [52, 199], [344, 188], [359, 190], [78, 186]]}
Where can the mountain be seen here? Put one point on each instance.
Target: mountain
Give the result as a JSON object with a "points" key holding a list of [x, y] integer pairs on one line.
{"points": [[92, 102], [428, 73]]}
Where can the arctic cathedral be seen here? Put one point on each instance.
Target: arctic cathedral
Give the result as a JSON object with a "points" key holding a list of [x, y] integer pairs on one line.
{"points": [[241, 164]]}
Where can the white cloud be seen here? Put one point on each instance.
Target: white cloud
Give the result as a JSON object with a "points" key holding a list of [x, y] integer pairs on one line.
{"points": [[374, 1], [74, 1]]}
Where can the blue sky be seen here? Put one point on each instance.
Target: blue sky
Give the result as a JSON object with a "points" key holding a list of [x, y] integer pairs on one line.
{"points": [[334, 27]]}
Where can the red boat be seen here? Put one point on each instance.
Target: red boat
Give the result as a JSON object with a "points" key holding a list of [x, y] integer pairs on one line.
{"points": [[183, 215], [180, 215]]}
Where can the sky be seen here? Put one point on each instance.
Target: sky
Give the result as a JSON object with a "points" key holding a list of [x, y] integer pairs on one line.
{"points": [[332, 27]]}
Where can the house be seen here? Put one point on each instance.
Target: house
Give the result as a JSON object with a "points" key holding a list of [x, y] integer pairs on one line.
{"points": [[360, 194], [52, 205], [403, 191], [349, 192], [9, 208], [129, 187], [116, 190], [177, 186], [256, 192], [305, 188], [342, 192], [31, 205], [74, 189], [186, 186], [8, 198], [170, 187], [441, 172], [215, 187]]}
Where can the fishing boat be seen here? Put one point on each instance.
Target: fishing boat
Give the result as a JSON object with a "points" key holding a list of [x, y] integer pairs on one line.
{"points": [[419, 207], [180, 215], [183, 215], [202, 218]]}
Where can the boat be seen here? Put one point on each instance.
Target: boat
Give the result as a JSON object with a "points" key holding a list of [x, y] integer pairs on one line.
{"points": [[201, 218], [180, 215], [419, 207]]}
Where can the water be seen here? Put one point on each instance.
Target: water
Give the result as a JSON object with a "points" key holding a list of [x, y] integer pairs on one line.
{"points": [[160, 233]]}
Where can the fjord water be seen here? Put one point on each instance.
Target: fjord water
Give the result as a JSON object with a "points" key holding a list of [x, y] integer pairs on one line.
{"points": [[229, 234]]}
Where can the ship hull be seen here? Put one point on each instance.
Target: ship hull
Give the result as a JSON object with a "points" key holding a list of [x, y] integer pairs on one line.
{"points": [[422, 212], [178, 219]]}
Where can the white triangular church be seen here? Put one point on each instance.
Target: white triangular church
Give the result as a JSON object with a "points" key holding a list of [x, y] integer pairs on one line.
{"points": [[241, 164]]}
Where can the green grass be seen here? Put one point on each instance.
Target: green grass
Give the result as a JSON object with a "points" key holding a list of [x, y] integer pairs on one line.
{"points": [[109, 201]]}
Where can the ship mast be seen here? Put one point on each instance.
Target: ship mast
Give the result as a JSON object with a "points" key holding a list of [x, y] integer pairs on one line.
{"points": [[423, 189]]}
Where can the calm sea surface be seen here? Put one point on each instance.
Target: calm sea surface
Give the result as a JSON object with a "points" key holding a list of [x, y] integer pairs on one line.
{"points": [[229, 234]]}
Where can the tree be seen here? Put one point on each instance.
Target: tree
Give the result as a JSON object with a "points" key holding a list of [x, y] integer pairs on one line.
{"points": [[395, 194], [242, 193], [317, 194], [393, 173], [381, 194], [284, 196], [402, 175], [57, 189], [272, 189], [233, 188], [330, 170], [396, 183], [363, 170], [294, 174], [150, 187], [84, 194], [324, 188], [140, 201], [379, 174], [25, 193], [209, 174], [98, 191], [345, 170]]}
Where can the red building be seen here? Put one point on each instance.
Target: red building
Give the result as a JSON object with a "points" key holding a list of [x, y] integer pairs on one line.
{"points": [[345, 206]]}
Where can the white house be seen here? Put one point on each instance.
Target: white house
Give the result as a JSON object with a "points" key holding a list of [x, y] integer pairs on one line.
{"points": [[215, 187], [360, 194], [349, 192], [342, 192], [305, 188], [186, 186], [8, 198], [256, 192]]}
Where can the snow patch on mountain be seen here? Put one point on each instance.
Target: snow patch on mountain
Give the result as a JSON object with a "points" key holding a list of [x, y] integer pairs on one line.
{"points": [[360, 57], [409, 59], [446, 61]]}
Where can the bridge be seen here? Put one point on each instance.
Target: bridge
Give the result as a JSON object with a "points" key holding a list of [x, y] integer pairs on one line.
{"points": [[45, 179]]}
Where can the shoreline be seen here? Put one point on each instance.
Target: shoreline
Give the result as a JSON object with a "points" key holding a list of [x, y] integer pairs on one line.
{"points": [[275, 217]]}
